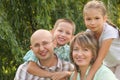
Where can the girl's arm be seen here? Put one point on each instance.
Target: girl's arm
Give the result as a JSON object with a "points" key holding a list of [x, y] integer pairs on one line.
{"points": [[103, 50]]}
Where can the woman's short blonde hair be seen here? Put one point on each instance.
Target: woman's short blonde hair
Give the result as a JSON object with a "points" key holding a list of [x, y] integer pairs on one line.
{"points": [[84, 39]]}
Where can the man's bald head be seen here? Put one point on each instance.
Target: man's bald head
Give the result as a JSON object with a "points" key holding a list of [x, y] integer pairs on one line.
{"points": [[39, 34]]}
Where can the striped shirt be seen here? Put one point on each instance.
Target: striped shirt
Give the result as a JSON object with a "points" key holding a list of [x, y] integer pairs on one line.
{"points": [[22, 73]]}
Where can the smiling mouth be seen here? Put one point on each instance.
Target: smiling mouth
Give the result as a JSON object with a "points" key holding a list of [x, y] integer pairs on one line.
{"points": [[61, 39], [93, 27], [79, 59], [43, 53]]}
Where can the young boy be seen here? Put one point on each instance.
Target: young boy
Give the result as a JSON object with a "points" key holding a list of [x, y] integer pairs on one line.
{"points": [[63, 31]]}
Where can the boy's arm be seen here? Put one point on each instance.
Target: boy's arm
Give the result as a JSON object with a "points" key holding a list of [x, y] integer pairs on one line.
{"points": [[101, 55], [28, 55], [34, 69], [65, 74]]}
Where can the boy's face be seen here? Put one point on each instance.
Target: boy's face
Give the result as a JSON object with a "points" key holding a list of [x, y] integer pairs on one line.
{"points": [[42, 46], [63, 33]]}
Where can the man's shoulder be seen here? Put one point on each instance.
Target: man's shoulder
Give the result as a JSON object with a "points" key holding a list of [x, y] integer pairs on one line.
{"points": [[21, 71], [22, 67]]}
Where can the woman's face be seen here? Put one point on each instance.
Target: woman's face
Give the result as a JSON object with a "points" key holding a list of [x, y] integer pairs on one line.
{"points": [[81, 56]]}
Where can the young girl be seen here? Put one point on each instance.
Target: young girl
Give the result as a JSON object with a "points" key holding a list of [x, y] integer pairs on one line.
{"points": [[62, 32], [95, 18], [84, 51]]}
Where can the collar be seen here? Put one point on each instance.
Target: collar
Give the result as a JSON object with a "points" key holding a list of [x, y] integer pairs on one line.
{"points": [[88, 69], [62, 47], [57, 67]]}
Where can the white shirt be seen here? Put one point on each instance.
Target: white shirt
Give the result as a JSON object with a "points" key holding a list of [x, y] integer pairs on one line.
{"points": [[113, 55]]}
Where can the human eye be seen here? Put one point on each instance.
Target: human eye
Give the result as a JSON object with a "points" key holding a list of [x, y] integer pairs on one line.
{"points": [[36, 45], [88, 19], [45, 43], [75, 49], [97, 18], [68, 33], [85, 49], [60, 30]]}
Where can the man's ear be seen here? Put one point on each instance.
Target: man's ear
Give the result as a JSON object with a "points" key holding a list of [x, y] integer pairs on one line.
{"points": [[52, 31], [30, 47]]}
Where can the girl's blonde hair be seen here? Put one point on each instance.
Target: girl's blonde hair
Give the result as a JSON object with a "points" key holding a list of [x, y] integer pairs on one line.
{"points": [[65, 20], [85, 40], [96, 5]]}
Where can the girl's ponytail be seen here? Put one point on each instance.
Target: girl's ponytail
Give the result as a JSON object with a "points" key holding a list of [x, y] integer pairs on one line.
{"points": [[113, 25]]}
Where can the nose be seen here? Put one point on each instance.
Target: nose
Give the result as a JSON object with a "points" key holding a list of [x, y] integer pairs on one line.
{"points": [[92, 21], [41, 47], [63, 33], [80, 53]]}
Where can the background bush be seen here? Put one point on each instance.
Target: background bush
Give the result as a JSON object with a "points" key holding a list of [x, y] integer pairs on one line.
{"points": [[20, 18]]}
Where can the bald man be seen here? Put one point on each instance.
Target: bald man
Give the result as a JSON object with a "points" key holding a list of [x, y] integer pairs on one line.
{"points": [[43, 48]]}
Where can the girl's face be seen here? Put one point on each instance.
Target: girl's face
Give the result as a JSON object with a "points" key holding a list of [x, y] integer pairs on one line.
{"points": [[81, 56], [63, 33], [94, 19]]}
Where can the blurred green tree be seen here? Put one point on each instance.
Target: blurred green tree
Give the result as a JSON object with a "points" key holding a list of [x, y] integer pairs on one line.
{"points": [[20, 18]]}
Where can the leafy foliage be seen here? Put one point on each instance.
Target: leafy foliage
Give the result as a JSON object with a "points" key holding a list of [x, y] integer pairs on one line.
{"points": [[20, 18]]}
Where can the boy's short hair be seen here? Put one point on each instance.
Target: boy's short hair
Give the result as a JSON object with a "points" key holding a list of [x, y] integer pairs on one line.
{"points": [[65, 20]]}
